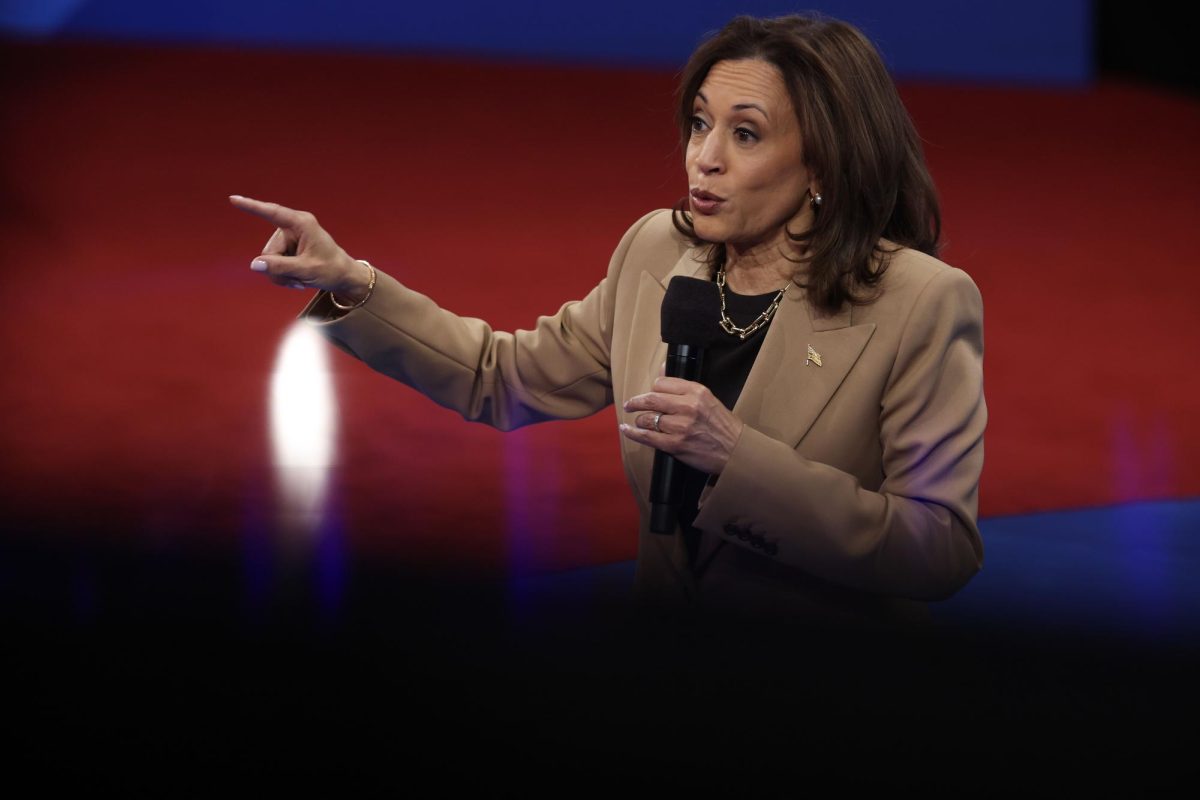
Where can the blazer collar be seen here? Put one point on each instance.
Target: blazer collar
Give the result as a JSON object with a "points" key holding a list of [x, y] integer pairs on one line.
{"points": [[647, 349], [787, 389]]}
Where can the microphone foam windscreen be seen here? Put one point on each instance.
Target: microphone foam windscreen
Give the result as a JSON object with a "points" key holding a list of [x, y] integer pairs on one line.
{"points": [[691, 312]]}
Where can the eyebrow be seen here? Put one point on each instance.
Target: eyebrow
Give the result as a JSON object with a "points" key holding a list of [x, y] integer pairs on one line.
{"points": [[740, 106]]}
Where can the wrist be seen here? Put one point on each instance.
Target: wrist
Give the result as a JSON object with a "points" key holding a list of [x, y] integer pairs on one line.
{"points": [[731, 440], [356, 288]]}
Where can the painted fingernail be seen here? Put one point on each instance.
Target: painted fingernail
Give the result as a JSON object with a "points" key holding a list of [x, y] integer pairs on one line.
{"points": [[258, 265], [296, 285]]}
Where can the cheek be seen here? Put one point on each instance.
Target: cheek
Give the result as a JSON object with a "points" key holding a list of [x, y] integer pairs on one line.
{"points": [[765, 186], [784, 187]]}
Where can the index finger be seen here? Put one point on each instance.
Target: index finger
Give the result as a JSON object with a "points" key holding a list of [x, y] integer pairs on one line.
{"points": [[667, 385], [274, 213]]}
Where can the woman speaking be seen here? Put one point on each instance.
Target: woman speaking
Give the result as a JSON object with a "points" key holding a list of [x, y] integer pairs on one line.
{"points": [[834, 441]]}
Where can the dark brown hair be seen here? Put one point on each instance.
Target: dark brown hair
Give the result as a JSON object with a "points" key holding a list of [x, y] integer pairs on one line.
{"points": [[859, 144]]}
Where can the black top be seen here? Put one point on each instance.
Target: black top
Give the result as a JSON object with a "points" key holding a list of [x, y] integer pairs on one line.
{"points": [[726, 367]]}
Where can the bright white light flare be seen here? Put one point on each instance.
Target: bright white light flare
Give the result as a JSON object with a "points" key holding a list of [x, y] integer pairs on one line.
{"points": [[303, 425]]}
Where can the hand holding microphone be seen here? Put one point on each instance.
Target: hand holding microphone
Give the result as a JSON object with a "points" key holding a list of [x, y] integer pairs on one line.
{"points": [[683, 420]]}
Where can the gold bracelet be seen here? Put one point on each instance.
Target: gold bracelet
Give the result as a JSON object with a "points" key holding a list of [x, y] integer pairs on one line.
{"points": [[366, 297]]}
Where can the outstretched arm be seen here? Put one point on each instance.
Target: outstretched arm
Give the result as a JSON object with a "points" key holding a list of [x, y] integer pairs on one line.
{"points": [[560, 369]]}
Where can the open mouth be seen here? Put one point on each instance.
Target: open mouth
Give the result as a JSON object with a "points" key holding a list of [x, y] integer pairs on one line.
{"points": [[705, 202]]}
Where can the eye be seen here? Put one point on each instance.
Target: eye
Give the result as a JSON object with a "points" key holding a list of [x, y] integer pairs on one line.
{"points": [[745, 135], [698, 124]]}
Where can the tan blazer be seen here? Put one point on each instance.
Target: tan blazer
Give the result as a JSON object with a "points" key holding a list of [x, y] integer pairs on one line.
{"points": [[854, 485]]}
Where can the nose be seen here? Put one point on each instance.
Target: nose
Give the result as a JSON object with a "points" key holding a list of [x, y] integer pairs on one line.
{"points": [[710, 158]]}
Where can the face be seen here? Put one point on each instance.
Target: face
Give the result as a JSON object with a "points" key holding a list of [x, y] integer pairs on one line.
{"points": [[745, 167]]}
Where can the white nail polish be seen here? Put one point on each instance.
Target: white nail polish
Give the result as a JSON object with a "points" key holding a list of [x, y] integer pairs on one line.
{"points": [[258, 265]]}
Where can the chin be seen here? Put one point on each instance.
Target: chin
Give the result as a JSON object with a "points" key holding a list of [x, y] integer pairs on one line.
{"points": [[708, 229]]}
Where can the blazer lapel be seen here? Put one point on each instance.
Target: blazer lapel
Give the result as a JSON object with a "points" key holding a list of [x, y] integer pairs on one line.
{"points": [[786, 390], [784, 395]]}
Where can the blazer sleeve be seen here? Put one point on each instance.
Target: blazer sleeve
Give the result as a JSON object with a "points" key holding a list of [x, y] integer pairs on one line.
{"points": [[558, 370], [915, 537]]}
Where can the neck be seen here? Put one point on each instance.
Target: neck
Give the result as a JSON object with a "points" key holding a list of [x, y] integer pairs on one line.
{"points": [[766, 265], [759, 269]]}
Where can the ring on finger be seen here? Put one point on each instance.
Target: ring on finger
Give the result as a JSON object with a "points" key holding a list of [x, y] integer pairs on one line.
{"points": [[657, 417]]}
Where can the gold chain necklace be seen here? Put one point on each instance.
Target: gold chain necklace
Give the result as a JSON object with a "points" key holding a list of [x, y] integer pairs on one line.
{"points": [[763, 318]]}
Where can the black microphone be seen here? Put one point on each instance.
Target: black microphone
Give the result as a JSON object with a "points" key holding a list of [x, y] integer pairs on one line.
{"points": [[690, 313]]}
